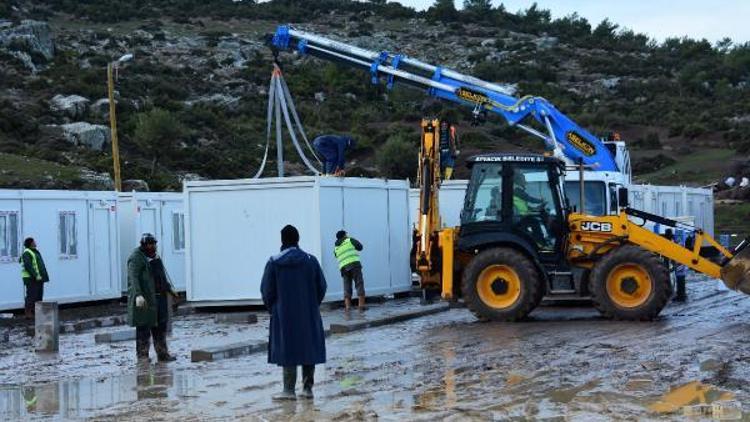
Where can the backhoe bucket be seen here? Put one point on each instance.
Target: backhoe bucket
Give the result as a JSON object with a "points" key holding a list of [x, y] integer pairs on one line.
{"points": [[736, 273]]}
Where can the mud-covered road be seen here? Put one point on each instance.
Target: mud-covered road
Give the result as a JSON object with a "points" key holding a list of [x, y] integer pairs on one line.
{"points": [[564, 364]]}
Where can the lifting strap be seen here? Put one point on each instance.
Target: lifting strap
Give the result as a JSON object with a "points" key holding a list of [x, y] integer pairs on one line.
{"points": [[281, 104]]}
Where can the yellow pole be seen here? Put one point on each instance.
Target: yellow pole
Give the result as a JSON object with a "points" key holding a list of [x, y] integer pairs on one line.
{"points": [[113, 128]]}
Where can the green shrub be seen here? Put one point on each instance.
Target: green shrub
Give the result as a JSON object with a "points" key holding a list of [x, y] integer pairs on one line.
{"points": [[397, 159]]}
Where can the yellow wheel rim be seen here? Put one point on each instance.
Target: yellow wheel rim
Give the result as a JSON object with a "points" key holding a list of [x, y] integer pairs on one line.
{"points": [[629, 285], [499, 286]]}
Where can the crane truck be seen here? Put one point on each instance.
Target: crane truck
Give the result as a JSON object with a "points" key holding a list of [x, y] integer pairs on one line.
{"points": [[520, 239]]}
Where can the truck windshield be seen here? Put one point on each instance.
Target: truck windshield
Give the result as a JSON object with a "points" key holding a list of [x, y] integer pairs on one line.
{"points": [[594, 196], [484, 197]]}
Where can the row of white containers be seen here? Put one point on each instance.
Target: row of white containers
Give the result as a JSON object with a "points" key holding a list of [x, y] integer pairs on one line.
{"points": [[233, 227], [85, 238], [217, 248], [680, 202]]}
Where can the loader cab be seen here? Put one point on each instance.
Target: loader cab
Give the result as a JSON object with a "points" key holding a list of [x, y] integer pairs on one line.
{"points": [[515, 199]]}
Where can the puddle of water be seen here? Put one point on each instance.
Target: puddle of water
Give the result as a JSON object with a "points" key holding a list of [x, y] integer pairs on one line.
{"points": [[691, 394], [83, 397]]}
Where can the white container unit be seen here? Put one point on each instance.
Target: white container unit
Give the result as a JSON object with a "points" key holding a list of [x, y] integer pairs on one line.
{"points": [[451, 201], [233, 227], [675, 202], [158, 213], [76, 232]]}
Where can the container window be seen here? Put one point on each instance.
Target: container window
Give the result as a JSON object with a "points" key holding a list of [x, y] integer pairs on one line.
{"points": [[68, 235], [9, 244], [178, 231]]}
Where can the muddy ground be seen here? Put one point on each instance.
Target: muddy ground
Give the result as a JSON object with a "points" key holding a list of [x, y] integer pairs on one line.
{"points": [[566, 363]]}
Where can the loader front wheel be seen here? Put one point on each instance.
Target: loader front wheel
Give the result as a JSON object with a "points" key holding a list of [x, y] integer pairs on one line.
{"points": [[630, 283], [500, 284]]}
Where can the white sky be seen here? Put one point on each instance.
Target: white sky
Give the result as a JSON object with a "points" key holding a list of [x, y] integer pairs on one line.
{"points": [[659, 19]]}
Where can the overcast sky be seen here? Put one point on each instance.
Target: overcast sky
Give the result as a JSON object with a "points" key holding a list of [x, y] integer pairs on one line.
{"points": [[710, 19]]}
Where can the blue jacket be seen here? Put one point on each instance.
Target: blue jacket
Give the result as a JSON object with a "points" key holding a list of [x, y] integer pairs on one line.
{"points": [[293, 287], [333, 148]]}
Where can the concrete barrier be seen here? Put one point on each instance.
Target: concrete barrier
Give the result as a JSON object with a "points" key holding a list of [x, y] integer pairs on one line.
{"points": [[211, 354], [46, 327], [114, 337], [357, 324], [236, 317]]}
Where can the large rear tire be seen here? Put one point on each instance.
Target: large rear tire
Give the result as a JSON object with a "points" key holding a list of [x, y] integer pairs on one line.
{"points": [[630, 283], [501, 284]]}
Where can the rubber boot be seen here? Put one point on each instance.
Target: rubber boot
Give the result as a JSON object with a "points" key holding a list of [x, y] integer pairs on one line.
{"points": [[142, 343], [290, 380], [160, 344], [308, 379], [361, 304]]}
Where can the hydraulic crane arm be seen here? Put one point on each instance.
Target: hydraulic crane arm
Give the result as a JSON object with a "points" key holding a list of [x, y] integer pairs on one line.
{"points": [[561, 135]]}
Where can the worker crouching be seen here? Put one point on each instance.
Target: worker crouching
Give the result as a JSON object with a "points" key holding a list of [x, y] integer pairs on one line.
{"points": [[148, 304]]}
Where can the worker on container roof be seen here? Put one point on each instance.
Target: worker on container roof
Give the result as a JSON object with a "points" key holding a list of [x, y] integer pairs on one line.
{"points": [[293, 287], [331, 149]]}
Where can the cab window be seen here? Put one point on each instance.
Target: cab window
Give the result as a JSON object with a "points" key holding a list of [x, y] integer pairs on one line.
{"points": [[484, 197]]}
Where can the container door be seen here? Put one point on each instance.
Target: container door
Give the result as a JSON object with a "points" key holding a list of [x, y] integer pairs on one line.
{"points": [[149, 222], [103, 251]]}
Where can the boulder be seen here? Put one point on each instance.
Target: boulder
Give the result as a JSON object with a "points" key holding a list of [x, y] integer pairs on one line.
{"points": [[100, 108], [92, 180], [31, 37], [95, 137], [545, 43], [73, 106], [219, 100], [137, 185]]}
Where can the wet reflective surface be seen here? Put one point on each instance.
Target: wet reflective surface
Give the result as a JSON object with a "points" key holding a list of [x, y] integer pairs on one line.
{"points": [[564, 364]]}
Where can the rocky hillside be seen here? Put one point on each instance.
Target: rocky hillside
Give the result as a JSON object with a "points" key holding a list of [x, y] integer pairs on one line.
{"points": [[192, 102]]}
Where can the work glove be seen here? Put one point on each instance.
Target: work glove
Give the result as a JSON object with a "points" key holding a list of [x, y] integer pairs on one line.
{"points": [[140, 301]]}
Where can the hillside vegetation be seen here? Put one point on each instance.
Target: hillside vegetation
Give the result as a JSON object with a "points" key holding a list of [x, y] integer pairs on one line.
{"points": [[192, 104]]}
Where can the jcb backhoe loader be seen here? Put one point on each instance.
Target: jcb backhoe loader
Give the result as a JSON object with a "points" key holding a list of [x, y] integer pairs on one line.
{"points": [[519, 241]]}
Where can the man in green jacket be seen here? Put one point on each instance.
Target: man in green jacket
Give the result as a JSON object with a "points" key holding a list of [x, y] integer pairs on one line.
{"points": [[34, 275], [148, 307], [347, 251]]}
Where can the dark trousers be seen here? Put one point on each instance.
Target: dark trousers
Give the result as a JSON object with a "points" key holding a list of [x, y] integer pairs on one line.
{"points": [[144, 334], [681, 293], [290, 377], [352, 274], [34, 294]]}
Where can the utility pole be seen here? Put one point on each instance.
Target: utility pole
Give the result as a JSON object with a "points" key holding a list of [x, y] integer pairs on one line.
{"points": [[111, 67]]}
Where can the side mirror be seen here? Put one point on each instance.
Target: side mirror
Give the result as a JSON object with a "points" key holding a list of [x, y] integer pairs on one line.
{"points": [[622, 197]]}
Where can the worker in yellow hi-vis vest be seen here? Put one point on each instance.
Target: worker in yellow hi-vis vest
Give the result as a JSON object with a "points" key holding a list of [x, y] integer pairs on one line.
{"points": [[34, 275], [347, 251]]}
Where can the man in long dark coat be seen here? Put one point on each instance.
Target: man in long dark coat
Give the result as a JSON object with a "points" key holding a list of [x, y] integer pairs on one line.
{"points": [[148, 311], [293, 287]]}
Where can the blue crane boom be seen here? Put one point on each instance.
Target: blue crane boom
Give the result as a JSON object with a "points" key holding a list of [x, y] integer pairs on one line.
{"points": [[561, 135]]}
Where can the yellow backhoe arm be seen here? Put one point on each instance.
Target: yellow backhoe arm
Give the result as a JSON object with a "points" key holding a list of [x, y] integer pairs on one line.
{"points": [[591, 237], [428, 224]]}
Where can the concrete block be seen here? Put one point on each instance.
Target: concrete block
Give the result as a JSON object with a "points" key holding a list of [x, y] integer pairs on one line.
{"points": [[114, 337], [226, 351], [355, 325], [46, 327], [236, 317]]}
